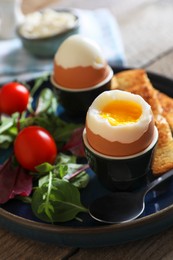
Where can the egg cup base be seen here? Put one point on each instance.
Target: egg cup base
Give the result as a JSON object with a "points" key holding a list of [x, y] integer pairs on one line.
{"points": [[124, 173], [76, 102]]}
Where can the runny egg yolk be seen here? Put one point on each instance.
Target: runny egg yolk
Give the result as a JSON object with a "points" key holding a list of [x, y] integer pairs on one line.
{"points": [[121, 112]]}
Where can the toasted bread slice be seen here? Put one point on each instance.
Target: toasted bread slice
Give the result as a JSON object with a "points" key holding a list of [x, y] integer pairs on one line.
{"points": [[167, 105], [163, 154], [130, 78], [137, 78], [137, 82], [114, 82]]}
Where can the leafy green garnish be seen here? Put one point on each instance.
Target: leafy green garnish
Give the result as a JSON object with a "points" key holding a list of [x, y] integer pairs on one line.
{"points": [[81, 180], [37, 84], [67, 169], [56, 196], [8, 130], [59, 129], [6, 123], [57, 201], [46, 102]]}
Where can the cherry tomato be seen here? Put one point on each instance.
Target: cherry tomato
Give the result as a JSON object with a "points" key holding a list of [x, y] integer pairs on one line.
{"points": [[14, 97], [34, 145]]}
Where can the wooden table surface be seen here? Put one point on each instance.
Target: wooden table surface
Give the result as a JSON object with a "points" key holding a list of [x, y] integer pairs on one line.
{"points": [[146, 28]]}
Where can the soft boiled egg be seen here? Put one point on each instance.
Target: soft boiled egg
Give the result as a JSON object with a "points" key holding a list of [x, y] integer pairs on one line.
{"points": [[79, 64], [119, 123]]}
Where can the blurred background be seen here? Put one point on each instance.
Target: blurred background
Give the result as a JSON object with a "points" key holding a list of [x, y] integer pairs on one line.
{"points": [[145, 25], [144, 28]]}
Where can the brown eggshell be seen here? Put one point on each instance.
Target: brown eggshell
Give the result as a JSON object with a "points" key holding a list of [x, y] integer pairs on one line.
{"points": [[79, 77], [118, 149]]}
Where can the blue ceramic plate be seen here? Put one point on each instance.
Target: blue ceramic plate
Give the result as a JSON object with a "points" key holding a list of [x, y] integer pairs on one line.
{"points": [[158, 215]]}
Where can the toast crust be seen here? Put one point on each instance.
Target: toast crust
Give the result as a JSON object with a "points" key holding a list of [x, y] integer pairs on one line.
{"points": [[136, 81], [167, 105]]}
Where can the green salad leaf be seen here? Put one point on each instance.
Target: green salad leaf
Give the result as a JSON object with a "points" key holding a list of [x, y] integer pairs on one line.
{"points": [[57, 201], [45, 100], [55, 196], [8, 130], [81, 180], [38, 82], [66, 168]]}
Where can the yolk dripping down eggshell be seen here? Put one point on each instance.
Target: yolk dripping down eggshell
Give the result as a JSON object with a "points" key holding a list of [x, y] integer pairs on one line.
{"points": [[124, 138]]}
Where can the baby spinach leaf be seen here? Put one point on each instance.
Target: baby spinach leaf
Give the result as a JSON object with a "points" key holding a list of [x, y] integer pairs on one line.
{"points": [[57, 201], [44, 167]]}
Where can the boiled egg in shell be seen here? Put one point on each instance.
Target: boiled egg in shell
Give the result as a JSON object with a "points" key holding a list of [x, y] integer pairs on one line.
{"points": [[119, 123], [79, 63]]}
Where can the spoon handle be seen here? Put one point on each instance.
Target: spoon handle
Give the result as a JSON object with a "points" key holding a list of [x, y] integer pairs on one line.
{"points": [[159, 180]]}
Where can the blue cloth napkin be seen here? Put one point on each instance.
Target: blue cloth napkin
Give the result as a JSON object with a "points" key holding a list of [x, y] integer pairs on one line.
{"points": [[17, 64]]}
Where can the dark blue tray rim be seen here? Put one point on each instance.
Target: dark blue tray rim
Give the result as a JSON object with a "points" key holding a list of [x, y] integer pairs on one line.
{"points": [[105, 235]]}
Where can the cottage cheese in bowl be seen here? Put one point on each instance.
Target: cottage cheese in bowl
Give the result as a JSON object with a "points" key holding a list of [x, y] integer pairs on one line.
{"points": [[47, 23]]}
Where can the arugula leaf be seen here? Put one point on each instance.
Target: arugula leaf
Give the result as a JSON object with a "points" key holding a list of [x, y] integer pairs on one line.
{"points": [[44, 101], [6, 123], [44, 116], [57, 201], [57, 197], [65, 168], [60, 166], [59, 129], [38, 82], [8, 130]]}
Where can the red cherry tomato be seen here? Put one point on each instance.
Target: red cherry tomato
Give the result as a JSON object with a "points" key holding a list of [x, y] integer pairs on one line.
{"points": [[34, 145], [14, 97]]}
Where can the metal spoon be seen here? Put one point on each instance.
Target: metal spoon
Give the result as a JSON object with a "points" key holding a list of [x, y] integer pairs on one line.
{"points": [[122, 206]]}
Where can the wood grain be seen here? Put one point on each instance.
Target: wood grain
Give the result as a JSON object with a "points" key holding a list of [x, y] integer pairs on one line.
{"points": [[150, 248], [15, 247]]}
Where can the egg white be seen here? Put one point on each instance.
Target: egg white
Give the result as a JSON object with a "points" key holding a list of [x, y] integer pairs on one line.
{"points": [[127, 133], [78, 50]]}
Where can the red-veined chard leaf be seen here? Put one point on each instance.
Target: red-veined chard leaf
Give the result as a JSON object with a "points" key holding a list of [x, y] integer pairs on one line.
{"points": [[13, 181]]}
